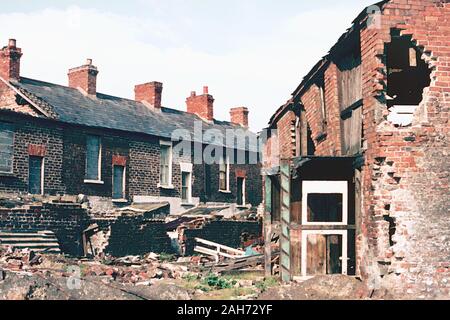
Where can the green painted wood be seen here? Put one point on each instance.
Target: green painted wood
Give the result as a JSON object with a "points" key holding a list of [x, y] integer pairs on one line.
{"points": [[285, 263]]}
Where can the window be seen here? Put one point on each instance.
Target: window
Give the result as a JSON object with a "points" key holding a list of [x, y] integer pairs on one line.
{"points": [[324, 207], [165, 177], [186, 187], [240, 191], [118, 182], [93, 159], [324, 203], [35, 175], [224, 172], [6, 147]]}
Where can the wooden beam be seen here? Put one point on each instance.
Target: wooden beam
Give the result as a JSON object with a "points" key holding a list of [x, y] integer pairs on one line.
{"points": [[267, 227]]}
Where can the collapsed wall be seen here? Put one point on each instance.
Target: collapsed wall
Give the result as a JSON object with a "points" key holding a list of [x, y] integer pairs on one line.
{"points": [[67, 221]]}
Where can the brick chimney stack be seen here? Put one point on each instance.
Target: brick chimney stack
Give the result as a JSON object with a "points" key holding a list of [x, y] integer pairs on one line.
{"points": [[149, 93], [239, 116], [84, 78], [202, 105], [10, 61]]}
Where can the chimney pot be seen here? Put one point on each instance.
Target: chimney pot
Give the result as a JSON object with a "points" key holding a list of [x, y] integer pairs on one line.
{"points": [[10, 61], [205, 90], [193, 93], [88, 62]]}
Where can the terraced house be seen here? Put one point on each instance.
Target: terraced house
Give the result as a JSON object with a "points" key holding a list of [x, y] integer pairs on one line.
{"points": [[359, 182], [72, 140]]}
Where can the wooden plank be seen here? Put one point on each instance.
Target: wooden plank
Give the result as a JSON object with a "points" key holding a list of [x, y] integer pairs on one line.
{"points": [[221, 246], [316, 254]]}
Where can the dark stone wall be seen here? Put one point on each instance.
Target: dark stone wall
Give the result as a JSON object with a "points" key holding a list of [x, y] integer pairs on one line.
{"points": [[65, 164], [66, 221], [136, 236], [30, 131]]}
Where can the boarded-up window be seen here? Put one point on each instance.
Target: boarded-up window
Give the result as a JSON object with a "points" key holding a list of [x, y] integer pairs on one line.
{"points": [[350, 101], [6, 147], [93, 155], [118, 182], [35, 168], [352, 131]]}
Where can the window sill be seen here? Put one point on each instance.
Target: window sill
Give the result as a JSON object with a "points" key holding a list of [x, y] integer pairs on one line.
{"points": [[93, 181], [166, 187], [187, 204], [225, 191], [119, 200]]}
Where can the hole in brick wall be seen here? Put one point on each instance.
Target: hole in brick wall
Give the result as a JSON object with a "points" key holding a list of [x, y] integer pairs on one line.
{"points": [[392, 228], [407, 76], [311, 148], [380, 160]]}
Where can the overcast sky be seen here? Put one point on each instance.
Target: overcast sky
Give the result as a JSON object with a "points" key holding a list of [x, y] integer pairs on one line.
{"points": [[250, 53]]}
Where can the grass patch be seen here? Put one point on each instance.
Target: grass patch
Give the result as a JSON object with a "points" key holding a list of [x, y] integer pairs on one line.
{"points": [[166, 257], [267, 283]]}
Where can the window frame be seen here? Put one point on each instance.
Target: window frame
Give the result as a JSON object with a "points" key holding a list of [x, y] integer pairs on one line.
{"points": [[99, 162], [12, 145], [186, 168], [244, 200], [324, 187], [123, 198], [225, 160], [168, 145]]}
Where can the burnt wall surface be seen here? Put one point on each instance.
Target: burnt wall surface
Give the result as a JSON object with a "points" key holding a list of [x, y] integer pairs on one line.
{"points": [[224, 232], [66, 221]]}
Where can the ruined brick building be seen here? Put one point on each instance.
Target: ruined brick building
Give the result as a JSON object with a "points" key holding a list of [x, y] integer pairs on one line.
{"points": [[357, 174], [72, 140]]}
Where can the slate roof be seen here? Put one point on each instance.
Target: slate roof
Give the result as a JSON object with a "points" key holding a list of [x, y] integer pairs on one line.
{"points": [[69, 105]]}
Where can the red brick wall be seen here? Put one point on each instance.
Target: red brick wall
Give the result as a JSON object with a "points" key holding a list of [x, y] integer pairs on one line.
{"points": [[202, 106], [85, 78], [239, 116], [286, 135], [406, 177], [149, 92]]}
